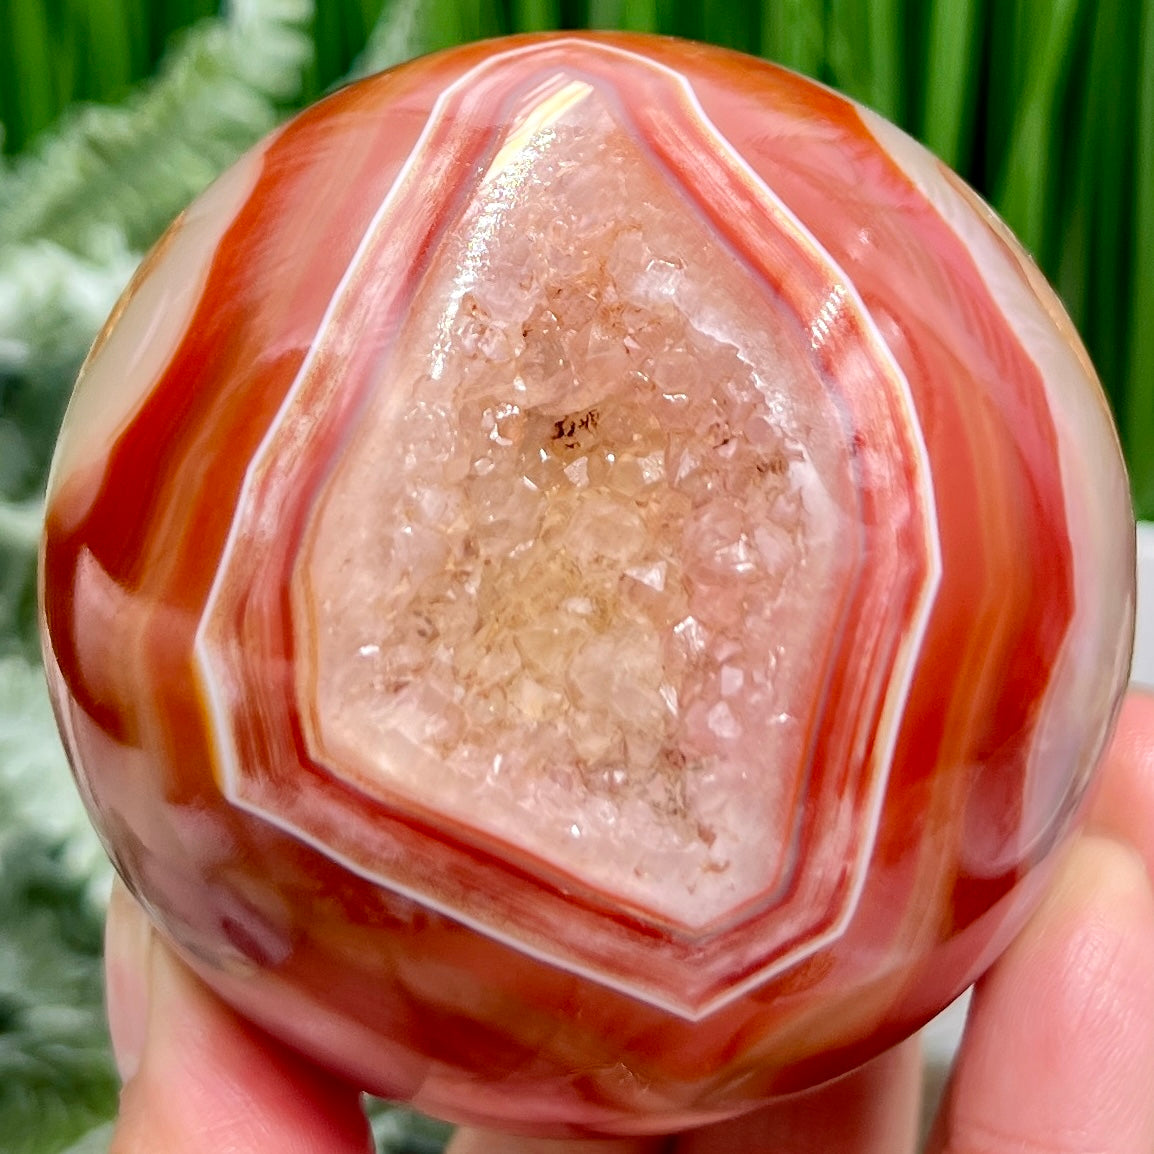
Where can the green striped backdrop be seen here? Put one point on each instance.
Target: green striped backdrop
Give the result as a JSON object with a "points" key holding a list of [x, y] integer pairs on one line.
{"points": [[1047, 106]]}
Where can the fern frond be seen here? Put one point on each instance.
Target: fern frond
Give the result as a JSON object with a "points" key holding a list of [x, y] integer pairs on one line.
{"points": [[20, 525], [400, 33], [37, 794], [56, 1075], [95, 1141], [135, 166], [53, 299]]}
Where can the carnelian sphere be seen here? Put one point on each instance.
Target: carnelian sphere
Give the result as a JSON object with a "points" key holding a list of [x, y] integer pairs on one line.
{"points": [[585, 582]]}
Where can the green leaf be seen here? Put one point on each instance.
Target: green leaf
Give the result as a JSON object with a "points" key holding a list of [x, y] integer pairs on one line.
{"points": [[1046, 36], [451, 22], [51, 304], [400, 34], [1137, 402], [863, 50], [20, 526], [340, 32], [19, 535], [630, 15], [950, 94], [535, 15], [53, 300], [136, 166], [397, 1130], [735, 26], [29, 72], [886, 89], [1092, 259], [109, 47], [57, 1079], [793, 34], [863, 45], [37, 794], [95, 1141]]}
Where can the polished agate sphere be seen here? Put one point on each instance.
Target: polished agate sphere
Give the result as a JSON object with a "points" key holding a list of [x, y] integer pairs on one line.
{"points": [[585, 583]]}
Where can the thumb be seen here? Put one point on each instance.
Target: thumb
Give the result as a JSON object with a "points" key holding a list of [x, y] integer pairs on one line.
{"points": [[199, 1078]]}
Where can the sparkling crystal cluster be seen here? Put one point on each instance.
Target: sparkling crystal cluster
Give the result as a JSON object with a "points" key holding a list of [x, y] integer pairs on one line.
{"points": [[576, 556]]}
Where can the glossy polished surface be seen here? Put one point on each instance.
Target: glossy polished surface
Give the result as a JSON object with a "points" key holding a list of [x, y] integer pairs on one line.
{"points": [[585, 583]]}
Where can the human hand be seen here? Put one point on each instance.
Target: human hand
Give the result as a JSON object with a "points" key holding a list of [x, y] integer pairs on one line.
{"points": [[1058, 1052]]}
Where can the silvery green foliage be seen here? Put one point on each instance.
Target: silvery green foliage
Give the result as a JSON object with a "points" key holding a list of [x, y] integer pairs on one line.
{"points": [[20, 524], [398, 1131], [19, 532], [74, 218], [53, 300], [136, 165], [56, 1075], [93, 1142], [76, 213], [36, 789]]}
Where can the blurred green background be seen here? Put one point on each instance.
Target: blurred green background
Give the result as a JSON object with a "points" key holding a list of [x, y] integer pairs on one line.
{"points": [[116, 112], [1046, 106]]}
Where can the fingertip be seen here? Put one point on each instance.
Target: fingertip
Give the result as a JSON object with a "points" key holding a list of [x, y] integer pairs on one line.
{"points": [[873, 1110], [1106, 874], [128, 938], [1085, 956], [1123, 805], [202, 1079], [1058, 1052]]}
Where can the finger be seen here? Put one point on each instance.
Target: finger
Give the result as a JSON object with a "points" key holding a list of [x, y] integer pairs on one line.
{"points": [[874, 1110], [472, 1141], [1058, 1053], [200, 1079], [1124, 804], [127, 953]]}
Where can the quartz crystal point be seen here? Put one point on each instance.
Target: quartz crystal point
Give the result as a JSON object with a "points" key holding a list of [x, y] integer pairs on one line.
{"points": [[585, 582]]}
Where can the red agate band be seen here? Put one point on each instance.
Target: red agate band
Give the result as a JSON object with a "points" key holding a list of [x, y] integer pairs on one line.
{"points": [[913, 531]]}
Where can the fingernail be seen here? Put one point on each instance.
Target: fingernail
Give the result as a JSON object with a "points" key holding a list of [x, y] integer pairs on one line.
{"points": [[128, 948]]}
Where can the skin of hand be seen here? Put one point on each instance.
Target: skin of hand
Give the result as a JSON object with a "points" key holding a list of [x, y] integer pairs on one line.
{"points": [[1057, 1055]]}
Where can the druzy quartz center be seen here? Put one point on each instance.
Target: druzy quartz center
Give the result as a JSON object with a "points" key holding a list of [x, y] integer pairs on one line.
{"points": [[604, 523], [583, 572]]}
